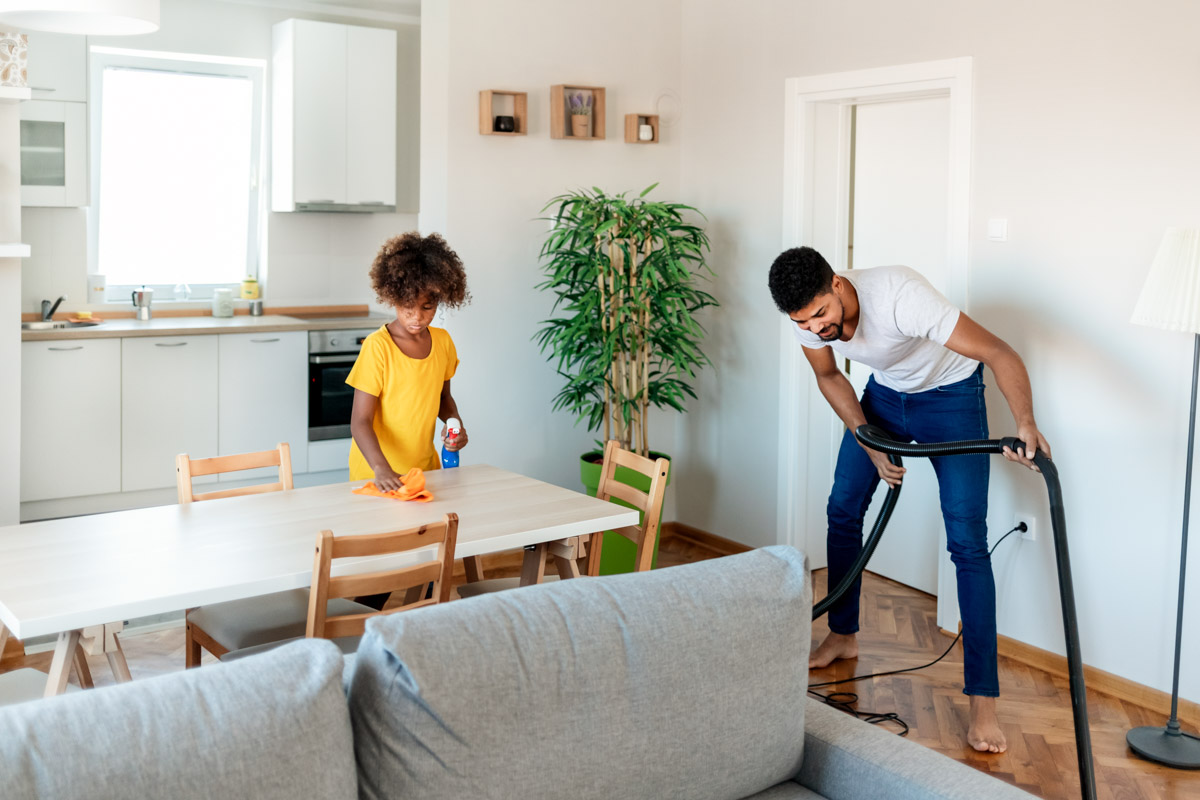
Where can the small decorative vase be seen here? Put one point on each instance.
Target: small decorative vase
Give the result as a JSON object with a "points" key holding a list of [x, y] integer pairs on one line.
{"points": [[14, 52], [645, 133], [581, 125], [504, 124]]}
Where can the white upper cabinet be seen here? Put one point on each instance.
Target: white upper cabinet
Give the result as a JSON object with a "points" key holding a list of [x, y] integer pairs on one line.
{"points": [[70, 418], [57, 67], [263, 396], [168, 407], [333, 117]]}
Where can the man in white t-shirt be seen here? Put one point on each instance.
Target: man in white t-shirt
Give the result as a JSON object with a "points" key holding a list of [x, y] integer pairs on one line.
{"points": [[926, 359]]}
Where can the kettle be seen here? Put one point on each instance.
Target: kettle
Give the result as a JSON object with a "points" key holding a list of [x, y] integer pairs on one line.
{"points": [[141, 301]]}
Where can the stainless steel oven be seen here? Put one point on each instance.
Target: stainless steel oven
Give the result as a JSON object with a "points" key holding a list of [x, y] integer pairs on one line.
{"points": [[331, 354]]}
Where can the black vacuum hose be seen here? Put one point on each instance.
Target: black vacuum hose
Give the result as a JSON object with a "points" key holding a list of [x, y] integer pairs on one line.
{"points": [[877, 439]]}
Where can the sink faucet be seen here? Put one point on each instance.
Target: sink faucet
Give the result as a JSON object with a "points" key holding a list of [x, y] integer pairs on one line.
{"points": [[48, 309]]}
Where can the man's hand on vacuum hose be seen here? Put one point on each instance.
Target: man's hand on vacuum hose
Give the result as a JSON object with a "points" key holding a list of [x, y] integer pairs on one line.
{"points": [[1028, 433], [889, 472]]}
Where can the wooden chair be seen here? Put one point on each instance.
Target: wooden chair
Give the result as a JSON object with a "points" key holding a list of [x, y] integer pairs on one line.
{"points": [[346, 627], [222, 627], [565, 554], [186, 469]]}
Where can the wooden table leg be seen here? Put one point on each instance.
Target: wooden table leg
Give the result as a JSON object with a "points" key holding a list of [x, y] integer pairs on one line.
{"points": [[60, 665], [115, 653], [533, 566], [474, 569], [82, 671], [3, 638], [566, 554]]}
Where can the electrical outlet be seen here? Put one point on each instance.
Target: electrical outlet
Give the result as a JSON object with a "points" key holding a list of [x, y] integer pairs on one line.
{"points": [[1030, 534]]}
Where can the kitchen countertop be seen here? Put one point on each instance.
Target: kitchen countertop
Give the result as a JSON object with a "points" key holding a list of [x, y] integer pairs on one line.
{"points": [[198, 326]]}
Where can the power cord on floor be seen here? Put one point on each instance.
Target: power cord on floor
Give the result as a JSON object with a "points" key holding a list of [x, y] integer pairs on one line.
{"points": [[844, 701]]}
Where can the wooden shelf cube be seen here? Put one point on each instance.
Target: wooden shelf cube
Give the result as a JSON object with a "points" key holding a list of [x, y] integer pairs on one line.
{"points": [[560, 112], [489, 109], [633, 123]]}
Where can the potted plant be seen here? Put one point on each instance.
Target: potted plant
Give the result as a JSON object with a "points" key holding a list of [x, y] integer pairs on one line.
{"points": [[625, 338], [581, 114]]}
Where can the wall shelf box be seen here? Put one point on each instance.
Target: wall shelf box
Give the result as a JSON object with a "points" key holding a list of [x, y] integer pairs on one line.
{"points": [[560, 115], [633, 123], [489, 109]]}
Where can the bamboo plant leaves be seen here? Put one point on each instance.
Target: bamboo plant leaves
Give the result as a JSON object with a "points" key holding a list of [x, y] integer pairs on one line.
{"points": [[624, 335]]}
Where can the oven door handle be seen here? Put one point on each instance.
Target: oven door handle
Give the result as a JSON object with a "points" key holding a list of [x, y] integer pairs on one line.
{"points": [[332, 359]]}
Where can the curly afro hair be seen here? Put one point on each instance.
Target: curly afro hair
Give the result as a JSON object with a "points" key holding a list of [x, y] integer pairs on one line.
{"points": [[798, 276], [411, 265]]}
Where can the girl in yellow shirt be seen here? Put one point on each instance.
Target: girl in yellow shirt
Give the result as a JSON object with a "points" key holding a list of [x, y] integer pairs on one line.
{"points": [[401, 378]]}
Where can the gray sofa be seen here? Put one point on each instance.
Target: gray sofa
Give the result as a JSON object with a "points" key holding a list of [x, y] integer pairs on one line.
{"points": [[687, 682]]}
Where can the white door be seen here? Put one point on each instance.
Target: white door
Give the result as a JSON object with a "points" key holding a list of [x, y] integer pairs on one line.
{"points": [[319, 106], [899, 216], [263, 397], [168, 407], [371, 116]]}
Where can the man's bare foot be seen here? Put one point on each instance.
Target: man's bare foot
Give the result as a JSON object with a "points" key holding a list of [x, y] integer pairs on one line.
{"points": [[985, 734], [836, 646]]}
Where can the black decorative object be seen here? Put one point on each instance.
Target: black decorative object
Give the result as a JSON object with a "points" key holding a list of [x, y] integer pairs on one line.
{"points": [[504, 124]]}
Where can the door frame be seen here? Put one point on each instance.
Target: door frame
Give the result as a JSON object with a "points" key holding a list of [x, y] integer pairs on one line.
{"points": [[803, 472]]}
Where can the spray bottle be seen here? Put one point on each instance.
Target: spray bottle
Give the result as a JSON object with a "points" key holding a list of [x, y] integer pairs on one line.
{"points": [[450, 457]]}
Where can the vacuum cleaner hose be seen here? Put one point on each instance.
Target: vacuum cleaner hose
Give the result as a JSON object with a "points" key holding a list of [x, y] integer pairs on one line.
{"points": [[876, 438]]}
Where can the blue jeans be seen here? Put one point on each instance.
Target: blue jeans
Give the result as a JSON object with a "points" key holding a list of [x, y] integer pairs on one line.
{"points": [[948, 413]]}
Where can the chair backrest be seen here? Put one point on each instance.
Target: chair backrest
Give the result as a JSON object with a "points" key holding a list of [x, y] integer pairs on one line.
{"points": [[187, 468], [324, 587], [650, 503]]}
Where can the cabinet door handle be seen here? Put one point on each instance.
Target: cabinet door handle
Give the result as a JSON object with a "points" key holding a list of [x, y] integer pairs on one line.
{"points": [[265, 341], [170, 344], [43, 88], [371, 203], [65, 349], [322, 200]]}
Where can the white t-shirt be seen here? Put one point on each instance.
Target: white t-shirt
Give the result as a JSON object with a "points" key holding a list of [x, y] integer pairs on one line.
{"points": [[903, 325]]}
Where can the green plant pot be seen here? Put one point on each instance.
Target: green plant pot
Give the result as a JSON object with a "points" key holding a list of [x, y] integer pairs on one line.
{"points": [[618, 554]]}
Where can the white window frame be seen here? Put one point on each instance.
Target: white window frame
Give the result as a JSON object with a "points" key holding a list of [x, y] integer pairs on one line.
{"points": [[252, 69]]}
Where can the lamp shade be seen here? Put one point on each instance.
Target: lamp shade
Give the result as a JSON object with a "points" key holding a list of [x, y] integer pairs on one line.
{"points": [[88, 17], [1170, 297]]}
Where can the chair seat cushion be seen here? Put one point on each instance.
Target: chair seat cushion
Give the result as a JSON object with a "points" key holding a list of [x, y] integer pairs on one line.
{"points": [[492, 585], [25, 684], [239, 624], [347, 644]]}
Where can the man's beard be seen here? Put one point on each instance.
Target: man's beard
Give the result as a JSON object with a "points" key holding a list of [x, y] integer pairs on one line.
{"points": [[837, 333]]}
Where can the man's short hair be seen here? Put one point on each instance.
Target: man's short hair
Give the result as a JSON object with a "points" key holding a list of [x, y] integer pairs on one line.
{"points": [[798, 277]]}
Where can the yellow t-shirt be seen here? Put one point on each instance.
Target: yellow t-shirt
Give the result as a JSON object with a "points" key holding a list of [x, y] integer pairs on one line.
{"points": [[409, 392]]}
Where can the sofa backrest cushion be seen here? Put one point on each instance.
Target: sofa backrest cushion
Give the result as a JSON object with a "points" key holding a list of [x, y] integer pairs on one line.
{"points": [[273, 726], [681, 682]]}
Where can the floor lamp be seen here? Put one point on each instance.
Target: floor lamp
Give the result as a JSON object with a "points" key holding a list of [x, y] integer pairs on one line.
{"points": [[1170, 300]]}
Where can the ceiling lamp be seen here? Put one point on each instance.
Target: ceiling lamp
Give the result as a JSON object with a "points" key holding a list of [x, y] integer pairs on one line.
{"points": [[88, 17]]}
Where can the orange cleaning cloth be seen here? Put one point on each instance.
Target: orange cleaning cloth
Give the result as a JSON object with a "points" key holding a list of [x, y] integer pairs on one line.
{"points": [[413, 488]]}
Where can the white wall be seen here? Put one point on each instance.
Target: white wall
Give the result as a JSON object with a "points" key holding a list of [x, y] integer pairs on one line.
{"points": [[484, 192], [1084, 141], [311, 258], [10, 293]]}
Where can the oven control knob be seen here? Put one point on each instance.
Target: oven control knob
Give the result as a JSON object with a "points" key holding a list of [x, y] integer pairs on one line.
{"points": [[333, 342]]}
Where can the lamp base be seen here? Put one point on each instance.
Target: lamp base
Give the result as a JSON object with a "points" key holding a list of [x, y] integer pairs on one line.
{"points": [[1158, 744]]}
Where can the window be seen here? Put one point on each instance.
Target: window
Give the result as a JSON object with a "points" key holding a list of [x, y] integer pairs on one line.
{"points": [[176, 145]]}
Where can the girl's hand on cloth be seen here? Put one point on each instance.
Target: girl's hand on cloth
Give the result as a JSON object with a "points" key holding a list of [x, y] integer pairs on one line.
{"points": [[387, 480], [460, 441]]}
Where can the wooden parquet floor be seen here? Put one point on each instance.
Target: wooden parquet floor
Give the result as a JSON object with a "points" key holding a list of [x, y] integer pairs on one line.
{"points": [[899, 630]]}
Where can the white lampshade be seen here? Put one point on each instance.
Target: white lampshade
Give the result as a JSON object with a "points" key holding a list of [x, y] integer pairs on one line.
{"points": [[88, 17], [1170, 296]]}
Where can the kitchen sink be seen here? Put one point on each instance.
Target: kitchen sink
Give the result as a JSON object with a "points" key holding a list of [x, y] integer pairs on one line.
{"points": [[57, 324]]}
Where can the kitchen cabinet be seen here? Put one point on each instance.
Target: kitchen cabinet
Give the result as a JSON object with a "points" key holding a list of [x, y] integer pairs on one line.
{"points": [[57, 66], [54, 161], [333, 117], [70, 418], [168, 406], [263, 396]]}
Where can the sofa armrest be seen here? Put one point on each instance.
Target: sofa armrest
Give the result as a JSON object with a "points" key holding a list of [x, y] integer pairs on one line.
{"points": [[847, 759]]}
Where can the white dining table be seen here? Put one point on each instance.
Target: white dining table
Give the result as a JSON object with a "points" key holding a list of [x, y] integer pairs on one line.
{"points": [[78, 577]]}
